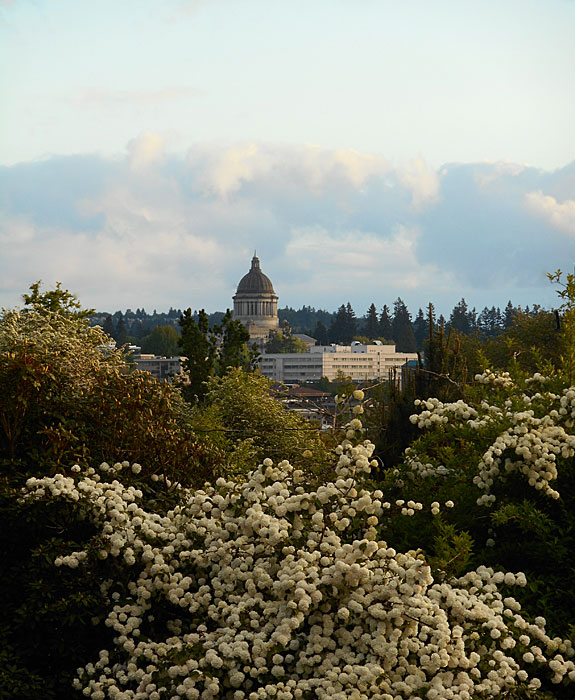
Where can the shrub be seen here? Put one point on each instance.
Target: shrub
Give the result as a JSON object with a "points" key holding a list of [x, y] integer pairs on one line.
{"points": [[268, 588]]}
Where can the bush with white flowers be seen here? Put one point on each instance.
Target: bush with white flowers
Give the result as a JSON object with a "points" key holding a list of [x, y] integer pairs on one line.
{"points": [[272, 588], [524, 434]]}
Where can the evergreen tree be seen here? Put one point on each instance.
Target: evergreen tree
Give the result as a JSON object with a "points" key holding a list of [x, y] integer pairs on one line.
{"points": [[343, 326], [402, 328], [121, 335], [385, 327], [420, 329], [234, 350], [351, 322], [163, 340], [199, 347], [490, 322], [108, 326], [320, 333], [509, 315], [461, 318], [371, 328]]}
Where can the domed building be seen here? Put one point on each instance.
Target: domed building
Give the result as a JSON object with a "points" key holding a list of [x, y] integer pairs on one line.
{"points": [[256, 303]]}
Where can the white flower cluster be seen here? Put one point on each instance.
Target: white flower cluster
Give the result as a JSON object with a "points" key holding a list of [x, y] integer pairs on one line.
{"points": [[497, 379], [537, 442], [435, 412], [268, 589], [537, 378], [528, 441]]}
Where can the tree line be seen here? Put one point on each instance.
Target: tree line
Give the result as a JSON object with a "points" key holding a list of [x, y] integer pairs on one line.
{"points": [[158, 333]]}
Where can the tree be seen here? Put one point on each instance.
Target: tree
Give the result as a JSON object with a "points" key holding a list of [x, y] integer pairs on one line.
{"points": [[284, 342], [343, 326], [108, 326], [402, 328], [163, 340], [234, 351], [461, 318], [320, 333], [509, 314], [371, 326], [385, 327], [490, 322], [199, 346], [247, 408], [55, 301], [121, 334], [420, 329], [64, 405]]}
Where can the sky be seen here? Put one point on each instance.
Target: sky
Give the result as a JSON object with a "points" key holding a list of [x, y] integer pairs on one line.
{"points": [[367, 149]]}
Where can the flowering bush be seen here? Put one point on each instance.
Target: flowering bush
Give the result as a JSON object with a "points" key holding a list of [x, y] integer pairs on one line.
{"points": [[505, 458], [270, 588], [524, 435]]}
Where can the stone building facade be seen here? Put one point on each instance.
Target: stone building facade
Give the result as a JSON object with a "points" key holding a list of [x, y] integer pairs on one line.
{"points": [[256, 303]]}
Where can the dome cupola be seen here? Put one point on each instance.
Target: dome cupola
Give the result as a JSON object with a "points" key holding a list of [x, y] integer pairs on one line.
{"points": [[255, 302], [255, 281]]}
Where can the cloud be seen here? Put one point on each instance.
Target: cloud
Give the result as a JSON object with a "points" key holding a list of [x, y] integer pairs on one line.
{"points": [[144, 151], [356, 259], [422, 181], [559, 215], [225, 169], [157, 228]]}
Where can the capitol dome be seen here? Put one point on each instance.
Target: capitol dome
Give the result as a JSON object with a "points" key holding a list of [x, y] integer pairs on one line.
{"points": [[256, 303], [255, 281]]}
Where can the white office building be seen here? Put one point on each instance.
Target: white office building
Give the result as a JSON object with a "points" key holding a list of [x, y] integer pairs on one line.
{"points": [[363, 363]]}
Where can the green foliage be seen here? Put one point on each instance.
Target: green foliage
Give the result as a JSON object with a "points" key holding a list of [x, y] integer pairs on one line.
{"points": [[402, 328], [66, 396], [343, 326], [212, 351], [452, 550], [280, 341], [248, 411], [163, 341], [55, 301], [199, 347], [234, 351]]}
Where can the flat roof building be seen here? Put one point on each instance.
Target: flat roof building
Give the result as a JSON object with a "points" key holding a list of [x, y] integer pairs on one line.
{"points": [[359, 362]]}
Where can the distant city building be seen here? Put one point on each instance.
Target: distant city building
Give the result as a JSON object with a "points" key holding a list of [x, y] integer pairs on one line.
{"points": [[256, 303], [162, 368], [362, 363]]}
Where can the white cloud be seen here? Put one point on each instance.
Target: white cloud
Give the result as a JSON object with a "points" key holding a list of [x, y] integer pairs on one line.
{"points": [[154, 228], [497, 170], [357, 261], [223, 169], [146, 150], [422, 181], [561, 215]]}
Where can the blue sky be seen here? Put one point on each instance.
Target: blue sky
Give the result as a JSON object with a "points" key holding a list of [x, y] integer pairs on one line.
{"points": [[368, 149]]}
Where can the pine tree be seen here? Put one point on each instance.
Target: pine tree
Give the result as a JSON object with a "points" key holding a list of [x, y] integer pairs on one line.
{"points": [[402, 328], [121, 334], [420, 329], [343, 326], [234, 350], [199, 347], [108, 326], [461, 318], [385, 327], [371, 328], [509, 315], [320, 333]]}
